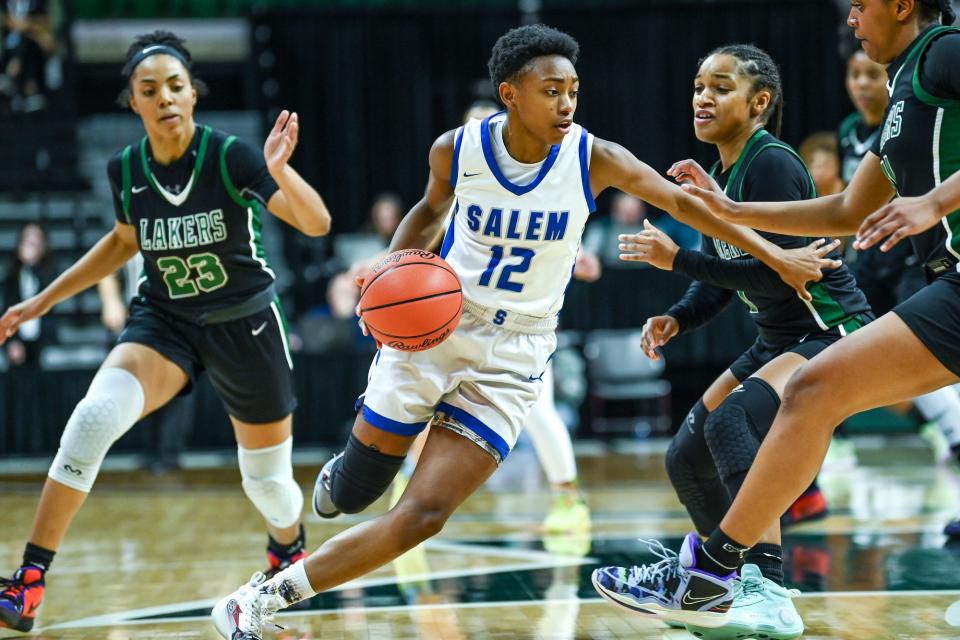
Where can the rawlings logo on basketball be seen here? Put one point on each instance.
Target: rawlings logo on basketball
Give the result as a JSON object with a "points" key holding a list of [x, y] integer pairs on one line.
{"points": [[411, 300], [398, 256], [428, 343]]}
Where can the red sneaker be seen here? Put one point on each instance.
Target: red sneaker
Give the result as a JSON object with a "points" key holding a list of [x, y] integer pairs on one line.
{"points": [[812, 505], [278, 564], [20, 598]]}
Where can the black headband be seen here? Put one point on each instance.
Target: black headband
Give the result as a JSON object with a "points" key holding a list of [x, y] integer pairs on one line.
{"points": [[153, 50]]}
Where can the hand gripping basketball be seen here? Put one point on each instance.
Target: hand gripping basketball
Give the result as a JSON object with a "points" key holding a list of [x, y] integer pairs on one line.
{"points": [[411, 300]]}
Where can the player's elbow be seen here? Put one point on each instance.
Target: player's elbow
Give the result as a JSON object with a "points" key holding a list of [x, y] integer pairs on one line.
{"points": [[318, 226]]}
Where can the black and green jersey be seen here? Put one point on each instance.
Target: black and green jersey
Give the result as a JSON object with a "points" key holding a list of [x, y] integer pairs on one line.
{"points": [[768, 170], [920, 144], [200, 238], [855, 138]]}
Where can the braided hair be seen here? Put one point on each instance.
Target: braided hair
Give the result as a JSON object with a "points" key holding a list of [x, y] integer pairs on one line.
{"points": [[757, 65]]}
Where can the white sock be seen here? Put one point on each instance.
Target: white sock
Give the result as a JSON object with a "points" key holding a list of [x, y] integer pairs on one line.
{"points": [[943, 407], [292, 584], [550, 437]]}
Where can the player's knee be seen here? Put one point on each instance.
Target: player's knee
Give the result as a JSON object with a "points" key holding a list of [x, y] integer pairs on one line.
{"points": [[268, 481], [808, 383], [732, 442], [361, 476], [419, 520], [112, 405]]}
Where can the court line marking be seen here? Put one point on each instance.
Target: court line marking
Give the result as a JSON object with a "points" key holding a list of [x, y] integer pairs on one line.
{"points": [[119, 620], [534, 560]]}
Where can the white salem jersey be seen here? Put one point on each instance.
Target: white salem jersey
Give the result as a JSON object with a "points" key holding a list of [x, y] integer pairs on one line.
{"points": [[514, 245]]}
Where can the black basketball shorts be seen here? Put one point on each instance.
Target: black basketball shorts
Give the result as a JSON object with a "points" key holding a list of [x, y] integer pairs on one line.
{"points": [[762, 351], [248, 359], [933, 314]]}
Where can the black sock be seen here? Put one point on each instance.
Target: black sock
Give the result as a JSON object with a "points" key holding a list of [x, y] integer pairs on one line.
{"points": [[38, 556], [769, 558], [720, 554], [286, 550]]}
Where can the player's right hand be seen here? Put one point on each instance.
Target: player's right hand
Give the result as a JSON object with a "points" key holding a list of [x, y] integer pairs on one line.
{"points": [[19, 313], [697, 182], [658, 331]]}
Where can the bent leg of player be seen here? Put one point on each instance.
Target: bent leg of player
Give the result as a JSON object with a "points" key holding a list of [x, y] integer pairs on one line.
{"points": [[133, 381], [264, 452], [450, 470], [554, 448], [734, 431], [884, 362], [690, 466]]}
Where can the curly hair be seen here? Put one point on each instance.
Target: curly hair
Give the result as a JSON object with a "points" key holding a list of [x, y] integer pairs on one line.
{"points": [[515, 50], [163, 38], [757, 65]]}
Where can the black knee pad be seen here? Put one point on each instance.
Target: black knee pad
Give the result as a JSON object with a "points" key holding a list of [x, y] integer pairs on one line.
{"points": [[694, 475], [688, 449], [734, 430], [361, 476]]}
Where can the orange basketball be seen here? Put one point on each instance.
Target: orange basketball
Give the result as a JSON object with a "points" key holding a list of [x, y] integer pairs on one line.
{"points": [[411, 300]]}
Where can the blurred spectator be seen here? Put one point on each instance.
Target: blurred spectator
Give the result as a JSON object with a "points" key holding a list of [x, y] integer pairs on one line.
{"points": [[30, 272], [28, 43], [168, 428], [822, 156], [385, 215], [627, 214], [480, 110]]}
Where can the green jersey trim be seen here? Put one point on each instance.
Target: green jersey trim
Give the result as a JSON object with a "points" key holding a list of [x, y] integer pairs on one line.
{"points": [[277, 309], [849, 124], [922, 94], [253, 208], [177, 199], [126, 183]]}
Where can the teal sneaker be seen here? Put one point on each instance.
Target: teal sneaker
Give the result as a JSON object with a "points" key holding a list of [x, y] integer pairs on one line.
{"points": [[761, 609]]}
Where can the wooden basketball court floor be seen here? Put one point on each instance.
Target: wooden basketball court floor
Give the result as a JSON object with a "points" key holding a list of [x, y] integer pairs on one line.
{"points": [[148, 556]]}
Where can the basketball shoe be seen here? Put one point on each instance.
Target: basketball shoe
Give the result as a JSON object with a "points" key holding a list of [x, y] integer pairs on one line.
{"points": [[322, 502], [245, 613], [20, 598], [761, 609], [952, 529], [569, 514], [673, 589], [810, 506]]}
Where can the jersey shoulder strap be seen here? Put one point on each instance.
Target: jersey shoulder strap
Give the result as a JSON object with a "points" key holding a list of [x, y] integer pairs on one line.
{"points": [[126, 182], [231, 188], [776, 144], [849, 124], [922, 94]]}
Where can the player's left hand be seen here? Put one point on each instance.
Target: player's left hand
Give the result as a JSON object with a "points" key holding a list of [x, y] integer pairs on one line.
{"points": [[281, 142], [797, 267], [650, 245], [895, 221]]}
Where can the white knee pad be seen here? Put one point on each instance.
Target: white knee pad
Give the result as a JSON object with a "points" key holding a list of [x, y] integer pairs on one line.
{"points": [[268, 482], [112, 405]]}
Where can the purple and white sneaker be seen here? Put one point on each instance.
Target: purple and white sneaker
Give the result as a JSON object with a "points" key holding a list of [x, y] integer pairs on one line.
{"points": [[673, 589]]}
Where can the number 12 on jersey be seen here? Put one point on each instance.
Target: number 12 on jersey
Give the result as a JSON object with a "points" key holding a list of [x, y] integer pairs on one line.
{"points": [[504, 282]]}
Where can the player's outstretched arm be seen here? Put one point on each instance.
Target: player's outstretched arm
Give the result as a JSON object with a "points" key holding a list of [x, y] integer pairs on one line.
{"points": [[613, 166], [419, 227], [296, 203], [909, 216], [836, 215], [104, 258]]}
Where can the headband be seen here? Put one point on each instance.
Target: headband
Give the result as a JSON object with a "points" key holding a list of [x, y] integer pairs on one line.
{"points": [[153, 50]]}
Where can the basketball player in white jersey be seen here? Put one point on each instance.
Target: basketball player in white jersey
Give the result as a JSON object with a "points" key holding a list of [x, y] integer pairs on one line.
{"points": [[521, 185]]}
